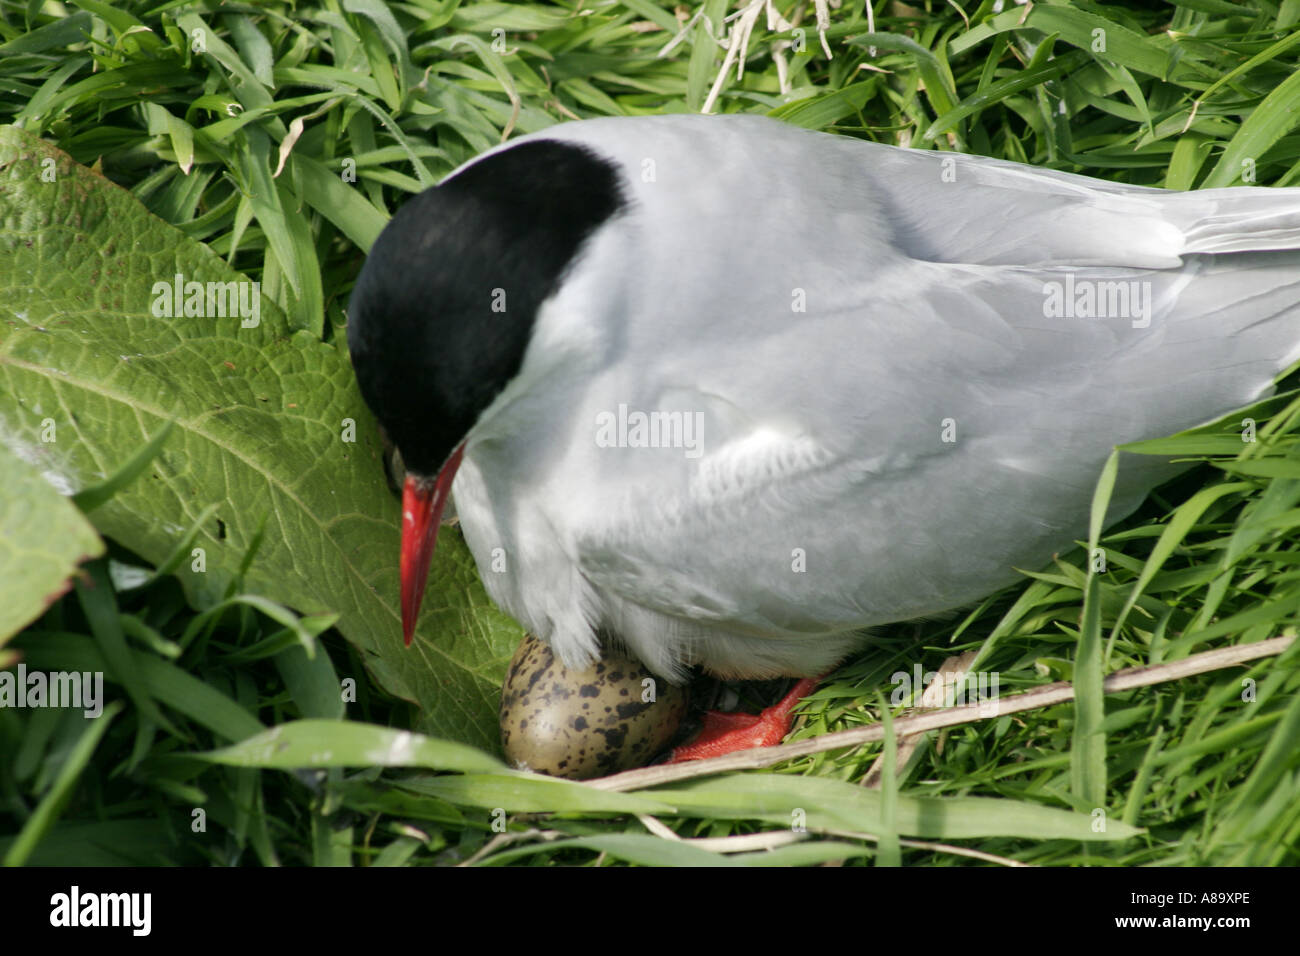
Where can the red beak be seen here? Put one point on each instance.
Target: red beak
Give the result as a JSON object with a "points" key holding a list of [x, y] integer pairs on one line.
{"points": [[422, 505]]}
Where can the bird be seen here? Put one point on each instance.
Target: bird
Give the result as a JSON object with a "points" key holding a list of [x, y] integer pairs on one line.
{"points": [[729, 393]]}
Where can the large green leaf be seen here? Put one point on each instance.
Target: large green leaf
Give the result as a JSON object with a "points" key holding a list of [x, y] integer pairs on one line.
{"points": [[261, 418], [43, 537]]}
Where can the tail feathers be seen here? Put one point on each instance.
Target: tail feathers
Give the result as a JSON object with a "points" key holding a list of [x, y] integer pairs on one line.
{"points": [[1237, 220]]}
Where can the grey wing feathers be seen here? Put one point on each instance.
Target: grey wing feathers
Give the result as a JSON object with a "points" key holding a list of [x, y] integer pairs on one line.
{"points": [[949, 322]]}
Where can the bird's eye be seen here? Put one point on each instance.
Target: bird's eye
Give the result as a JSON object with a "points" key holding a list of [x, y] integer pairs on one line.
{"points": [[394, 468]]}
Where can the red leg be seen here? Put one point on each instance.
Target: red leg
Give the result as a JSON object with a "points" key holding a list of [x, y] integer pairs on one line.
{"points": [[727, 733]]}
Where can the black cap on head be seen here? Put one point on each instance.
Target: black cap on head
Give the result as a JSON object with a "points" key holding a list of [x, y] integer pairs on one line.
{"points": [[429, 351]]}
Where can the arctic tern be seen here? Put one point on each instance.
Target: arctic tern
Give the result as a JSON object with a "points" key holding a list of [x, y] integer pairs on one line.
{"points": [[902, 371]]}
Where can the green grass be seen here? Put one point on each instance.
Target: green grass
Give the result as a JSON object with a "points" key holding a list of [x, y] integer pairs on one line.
{"points": [[193, 107]]}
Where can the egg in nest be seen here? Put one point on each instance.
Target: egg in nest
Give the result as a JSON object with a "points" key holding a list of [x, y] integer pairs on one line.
{"points": [[613, 716]]}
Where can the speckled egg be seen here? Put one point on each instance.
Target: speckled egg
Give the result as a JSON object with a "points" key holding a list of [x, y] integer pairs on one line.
{"points": [[579, 724]]}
